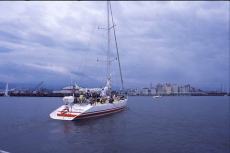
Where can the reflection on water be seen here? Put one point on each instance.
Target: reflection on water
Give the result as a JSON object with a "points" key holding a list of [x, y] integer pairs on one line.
{"points": [[89, 125]]}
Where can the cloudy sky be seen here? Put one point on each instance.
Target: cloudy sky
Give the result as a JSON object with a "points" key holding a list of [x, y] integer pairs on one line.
{"points": [[56, 42]]}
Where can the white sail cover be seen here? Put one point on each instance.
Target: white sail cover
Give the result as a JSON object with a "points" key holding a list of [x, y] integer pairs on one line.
{"points": [[106, 90], [68, 99]]}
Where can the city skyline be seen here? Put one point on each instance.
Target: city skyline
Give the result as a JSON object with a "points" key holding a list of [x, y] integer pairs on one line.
{"points": [[173, 87], [178, 42]]}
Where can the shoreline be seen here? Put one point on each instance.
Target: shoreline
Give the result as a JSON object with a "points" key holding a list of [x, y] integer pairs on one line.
{"points": [[62, 95]]}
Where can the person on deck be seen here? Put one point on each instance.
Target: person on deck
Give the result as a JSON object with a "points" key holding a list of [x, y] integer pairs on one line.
{"points": [[81, 98]]}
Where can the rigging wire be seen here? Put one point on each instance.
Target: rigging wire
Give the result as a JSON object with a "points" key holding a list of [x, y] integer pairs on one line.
{"points": [[115, 38]]}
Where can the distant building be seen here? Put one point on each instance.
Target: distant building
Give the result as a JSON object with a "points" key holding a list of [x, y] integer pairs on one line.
{"points": [[187, 88], [145, 91], [131, 92], [164, 89], [175, 89], [181, 89], [192, 89], [65, 90], [159, 89], [167, 89], [62, 92], [137, 91], [153, 91]]}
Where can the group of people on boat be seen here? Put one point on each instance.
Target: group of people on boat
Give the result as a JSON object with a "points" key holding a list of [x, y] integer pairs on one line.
{"points": [[95, 97]]}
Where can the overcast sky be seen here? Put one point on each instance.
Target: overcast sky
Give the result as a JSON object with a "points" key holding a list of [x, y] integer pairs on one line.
{"points": [[55, 42]]}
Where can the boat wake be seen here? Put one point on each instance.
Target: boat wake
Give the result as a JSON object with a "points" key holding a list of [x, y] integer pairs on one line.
{"points": [[2, 151]]}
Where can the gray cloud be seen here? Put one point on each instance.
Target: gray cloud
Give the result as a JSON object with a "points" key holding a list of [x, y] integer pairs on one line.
{"points": [[179, 42]]}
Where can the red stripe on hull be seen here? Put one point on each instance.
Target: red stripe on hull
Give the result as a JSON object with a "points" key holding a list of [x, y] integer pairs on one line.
{"points": [[66, 115], [91, 115], [89, 112], [102, 111]]}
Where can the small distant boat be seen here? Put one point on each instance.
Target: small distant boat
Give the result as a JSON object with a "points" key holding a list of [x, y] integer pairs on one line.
{"points": [[156, 97], [6, 91]]}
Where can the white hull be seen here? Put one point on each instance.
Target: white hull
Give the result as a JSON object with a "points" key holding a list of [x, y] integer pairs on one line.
{"points": [[83, 111], [156, 97]]}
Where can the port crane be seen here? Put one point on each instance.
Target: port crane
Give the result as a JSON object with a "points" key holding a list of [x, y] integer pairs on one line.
{"points": [[38, 87]]}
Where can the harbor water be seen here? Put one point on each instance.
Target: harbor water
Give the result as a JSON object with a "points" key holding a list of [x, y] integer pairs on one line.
{"points": [[183, 124]]}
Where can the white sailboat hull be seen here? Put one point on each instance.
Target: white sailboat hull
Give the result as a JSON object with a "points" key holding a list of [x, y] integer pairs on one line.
{"points": [[84, 111]]}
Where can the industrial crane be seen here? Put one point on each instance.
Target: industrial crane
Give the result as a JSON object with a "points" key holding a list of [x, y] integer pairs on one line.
{"points": [[37, 88]]}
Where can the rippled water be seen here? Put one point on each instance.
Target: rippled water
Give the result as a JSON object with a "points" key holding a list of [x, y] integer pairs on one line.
{"points": [[166, 125]]}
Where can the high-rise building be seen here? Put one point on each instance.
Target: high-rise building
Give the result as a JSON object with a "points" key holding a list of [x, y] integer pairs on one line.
{"points": [[175, 89], [167, 88], [153, 91]]}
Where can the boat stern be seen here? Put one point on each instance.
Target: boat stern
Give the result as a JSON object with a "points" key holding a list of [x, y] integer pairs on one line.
{"points": [[65, 113]]}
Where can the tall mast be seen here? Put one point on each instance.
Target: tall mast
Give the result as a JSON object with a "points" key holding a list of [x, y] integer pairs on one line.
{"points": [[108, 61], [108, 45], [115, 38]]}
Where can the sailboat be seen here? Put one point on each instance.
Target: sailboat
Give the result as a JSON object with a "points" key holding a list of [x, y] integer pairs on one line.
{"points": [[6, 91], [157, 96], [88, 103]]}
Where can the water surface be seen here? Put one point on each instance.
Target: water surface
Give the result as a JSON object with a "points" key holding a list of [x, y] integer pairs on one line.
{"points": [[166, 125]]}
